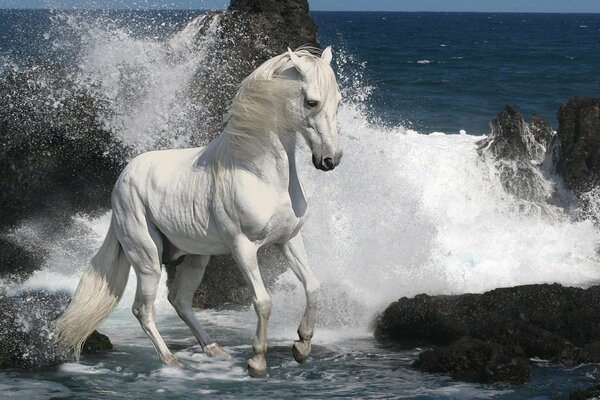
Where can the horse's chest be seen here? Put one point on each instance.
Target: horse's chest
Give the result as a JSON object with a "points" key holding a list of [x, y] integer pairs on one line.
{"points": [[283, 226], [271, 221]]}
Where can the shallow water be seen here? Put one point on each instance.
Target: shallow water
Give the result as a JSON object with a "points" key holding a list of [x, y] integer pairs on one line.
{"points": [[354, 366]]}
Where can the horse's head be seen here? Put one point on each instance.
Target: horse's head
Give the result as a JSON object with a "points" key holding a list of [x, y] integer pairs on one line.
{"points": [[320, 98]]}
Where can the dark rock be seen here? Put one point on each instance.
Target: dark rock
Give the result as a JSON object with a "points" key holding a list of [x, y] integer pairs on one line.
{"points": [[475, 360], [26, 327], [223, 285], [579, 133], [239, 40], [587, 394], [519, 150], [26, 330], [546, 321], [56, 157], [96, 343], [17, 263]]}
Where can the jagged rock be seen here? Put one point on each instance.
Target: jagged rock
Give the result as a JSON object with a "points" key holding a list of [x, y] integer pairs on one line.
{"points": [[579, 133], [546, 321], [519, 150], [475, 360], [247, 34]]}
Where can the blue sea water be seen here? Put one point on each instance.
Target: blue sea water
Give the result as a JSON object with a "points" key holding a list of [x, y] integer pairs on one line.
{"points": [[436, 221], [451, 71]]}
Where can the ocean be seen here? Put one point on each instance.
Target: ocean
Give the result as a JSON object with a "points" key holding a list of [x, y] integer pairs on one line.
{"points": [[412, 208]]}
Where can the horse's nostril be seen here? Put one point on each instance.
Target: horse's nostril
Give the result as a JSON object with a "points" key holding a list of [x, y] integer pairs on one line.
{"points": [[329, 163]]}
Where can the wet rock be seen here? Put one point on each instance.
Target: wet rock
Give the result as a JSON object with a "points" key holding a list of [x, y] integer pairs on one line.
{"points": [[26, 327], [56, 157], [239, 40], [546, 321], [587, 394], [475, 360], [96, 343], [17, 263], [519, 149], [579, 133], [223, 285]]}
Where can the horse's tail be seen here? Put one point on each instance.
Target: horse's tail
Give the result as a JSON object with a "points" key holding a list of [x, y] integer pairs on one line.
{"points": [[98, 293]]}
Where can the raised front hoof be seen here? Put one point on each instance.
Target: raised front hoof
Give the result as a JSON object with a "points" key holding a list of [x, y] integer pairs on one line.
{"points": [[301, 351], [172, 362], [257, 369], [213, 350]]}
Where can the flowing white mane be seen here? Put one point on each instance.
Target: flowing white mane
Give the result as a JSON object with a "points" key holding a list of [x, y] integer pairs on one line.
{"points": [[262, 106]]}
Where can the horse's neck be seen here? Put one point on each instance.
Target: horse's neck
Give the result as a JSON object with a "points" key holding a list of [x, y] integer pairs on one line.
{"points": [[272, 165]]}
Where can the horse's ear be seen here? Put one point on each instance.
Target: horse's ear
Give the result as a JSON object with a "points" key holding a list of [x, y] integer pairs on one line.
{"points": [[326, 55], [296, 61]]}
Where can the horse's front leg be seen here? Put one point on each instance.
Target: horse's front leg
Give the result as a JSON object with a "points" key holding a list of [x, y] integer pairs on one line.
{"points": [[244, 253], [296, 256]]}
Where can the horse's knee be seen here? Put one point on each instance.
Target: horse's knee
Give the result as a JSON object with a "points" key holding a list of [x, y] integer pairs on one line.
{"points": [[263, 306], [313, 292]]}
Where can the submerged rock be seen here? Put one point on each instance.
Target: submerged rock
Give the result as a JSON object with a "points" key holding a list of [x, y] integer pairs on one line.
{"points": [[96, 343], [550, 322], [475, 360]]}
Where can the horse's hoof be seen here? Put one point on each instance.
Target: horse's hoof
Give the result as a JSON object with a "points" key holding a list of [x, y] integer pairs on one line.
{"points": [[213, 350], [301, 351], [172, 361], [256, 370]]}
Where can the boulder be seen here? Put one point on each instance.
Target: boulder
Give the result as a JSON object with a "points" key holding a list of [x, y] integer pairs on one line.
{"points": [[519, 150], [26, 329], [551, 322], [579, 133], [17, 263], [475, 360]]}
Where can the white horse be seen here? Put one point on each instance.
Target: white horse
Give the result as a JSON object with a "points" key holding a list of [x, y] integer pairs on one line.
{"points": [[241, 192]]}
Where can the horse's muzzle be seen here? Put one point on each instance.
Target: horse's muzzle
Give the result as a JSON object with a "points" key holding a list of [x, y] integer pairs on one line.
{"points": [[327, 163]]}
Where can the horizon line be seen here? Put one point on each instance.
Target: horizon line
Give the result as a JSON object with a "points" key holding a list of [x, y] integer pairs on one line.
{"points": [[311, 10]]}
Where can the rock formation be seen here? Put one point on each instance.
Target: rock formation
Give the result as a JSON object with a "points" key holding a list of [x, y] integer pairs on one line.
{"points": [[519, 150], [579, 133], [550, 322]]}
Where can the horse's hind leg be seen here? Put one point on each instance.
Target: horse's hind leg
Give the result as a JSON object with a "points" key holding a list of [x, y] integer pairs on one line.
{"points": [[244, 253], [298, 261], [188, 276], [143, 247]]}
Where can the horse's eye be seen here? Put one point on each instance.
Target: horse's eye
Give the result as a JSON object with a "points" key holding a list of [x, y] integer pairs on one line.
{"points": [[311, 103]]}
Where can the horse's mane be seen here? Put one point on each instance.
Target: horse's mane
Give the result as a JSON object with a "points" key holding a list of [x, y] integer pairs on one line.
{"points": [[261, 106]]}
